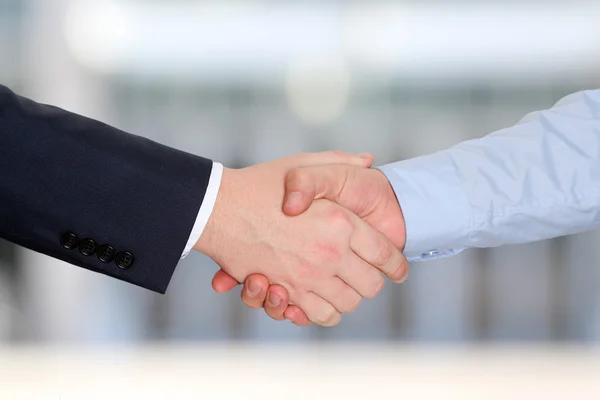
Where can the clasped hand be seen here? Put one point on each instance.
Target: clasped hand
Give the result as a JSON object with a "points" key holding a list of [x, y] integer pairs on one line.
{"points": [[311, 235]]}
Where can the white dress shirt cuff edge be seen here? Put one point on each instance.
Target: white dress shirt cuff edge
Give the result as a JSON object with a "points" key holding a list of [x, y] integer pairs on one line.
{"points": [[208, 203]]}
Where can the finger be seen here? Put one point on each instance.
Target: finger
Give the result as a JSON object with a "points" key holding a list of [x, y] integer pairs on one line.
{"points": [[318, 310], [373, 247], [303, 185], [255, 289], [223, 282], [331, 157], [338, 294], [277, 302], [362, 277], [297, 316]]}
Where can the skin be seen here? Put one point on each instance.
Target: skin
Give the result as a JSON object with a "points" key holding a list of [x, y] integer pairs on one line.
{"points": [[363, 191], [324, 260]]}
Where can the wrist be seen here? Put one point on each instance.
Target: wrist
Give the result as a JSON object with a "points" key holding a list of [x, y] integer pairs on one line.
{"points": [[397, 216], [209, 240], [394, 225]]}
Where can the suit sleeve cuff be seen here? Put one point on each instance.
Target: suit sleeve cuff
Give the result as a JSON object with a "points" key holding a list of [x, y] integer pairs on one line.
{"points": [[435, 207], [206, 208]]}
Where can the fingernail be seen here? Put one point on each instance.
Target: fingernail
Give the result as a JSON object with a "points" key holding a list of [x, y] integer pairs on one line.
{"points": [[274, 300], [253, 289], [292, 198], [365, 155]]}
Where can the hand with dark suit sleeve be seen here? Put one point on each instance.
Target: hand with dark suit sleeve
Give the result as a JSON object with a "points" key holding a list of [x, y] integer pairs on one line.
{"points": [[81, 191]]}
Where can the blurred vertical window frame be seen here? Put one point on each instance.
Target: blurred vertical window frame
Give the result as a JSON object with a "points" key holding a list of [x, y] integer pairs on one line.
{"points": [[10, 7], [11, 18]]}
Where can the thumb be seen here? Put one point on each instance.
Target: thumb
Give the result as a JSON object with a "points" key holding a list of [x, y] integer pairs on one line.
{"points": [[303, 185]]}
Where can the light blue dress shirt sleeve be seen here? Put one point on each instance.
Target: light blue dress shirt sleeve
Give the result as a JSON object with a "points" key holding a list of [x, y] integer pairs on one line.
{"points": [[537, 180]]}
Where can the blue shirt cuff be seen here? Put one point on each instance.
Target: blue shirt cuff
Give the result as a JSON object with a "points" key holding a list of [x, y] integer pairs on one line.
{"points": [[435, 208]]}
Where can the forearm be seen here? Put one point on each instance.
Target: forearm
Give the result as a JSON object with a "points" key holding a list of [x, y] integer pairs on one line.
{"points": [[61, 172], [537, 180]]}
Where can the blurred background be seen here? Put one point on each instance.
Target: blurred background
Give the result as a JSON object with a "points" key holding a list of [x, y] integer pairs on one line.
{"points": [[248, 81]]}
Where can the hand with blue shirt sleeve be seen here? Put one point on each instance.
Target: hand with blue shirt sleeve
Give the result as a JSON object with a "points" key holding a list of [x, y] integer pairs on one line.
{"points": [[537, 180]]}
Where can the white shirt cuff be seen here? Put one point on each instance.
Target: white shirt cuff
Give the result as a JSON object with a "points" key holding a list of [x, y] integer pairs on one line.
{"points": [[214, 182]]}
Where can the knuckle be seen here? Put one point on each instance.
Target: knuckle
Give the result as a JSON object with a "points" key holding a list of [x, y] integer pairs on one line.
{"points": [[251, 303], [301, 156], [339, 154], [385, 253], [274, 315], [400, 270], [329, 318], [377, 287], [296, 177], [307, 273], [329, 253], [351, 305], [338, 218], [406, 268]]}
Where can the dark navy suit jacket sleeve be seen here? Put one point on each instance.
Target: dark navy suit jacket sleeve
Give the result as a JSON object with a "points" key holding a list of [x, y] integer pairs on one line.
{"points": [[86, 193]]}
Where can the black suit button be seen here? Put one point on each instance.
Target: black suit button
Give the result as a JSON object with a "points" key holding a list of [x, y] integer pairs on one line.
{"points": [[124, 260], [87, 247], [69, 240], [106, 253]]}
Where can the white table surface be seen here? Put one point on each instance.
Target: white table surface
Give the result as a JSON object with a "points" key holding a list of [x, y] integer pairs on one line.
{"points": [[280, 371]]}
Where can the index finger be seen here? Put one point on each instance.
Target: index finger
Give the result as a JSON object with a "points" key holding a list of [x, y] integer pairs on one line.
{"points": [[376, 249]]}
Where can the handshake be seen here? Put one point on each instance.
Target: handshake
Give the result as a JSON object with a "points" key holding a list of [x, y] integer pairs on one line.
{"points": [[310, 235]]}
